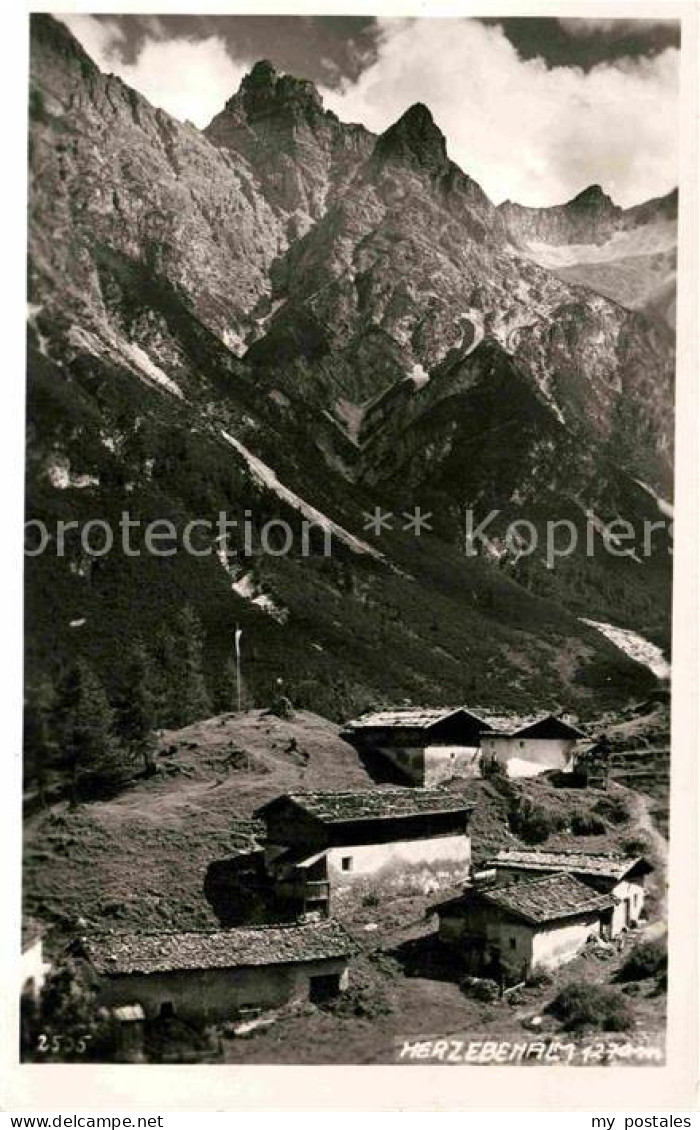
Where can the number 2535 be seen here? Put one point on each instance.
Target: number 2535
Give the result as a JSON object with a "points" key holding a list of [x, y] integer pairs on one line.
{"points": [[48, 1042]]}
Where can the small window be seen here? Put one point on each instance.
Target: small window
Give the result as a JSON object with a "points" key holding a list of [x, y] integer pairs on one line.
{"points": [[346, 863], [512, 942]]}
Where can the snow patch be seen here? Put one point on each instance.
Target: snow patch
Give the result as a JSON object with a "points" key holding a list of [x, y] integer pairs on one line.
{"points": [[266, 477], [647, 240], [635, 646], [476, 321], [134, 356], [665, 507], [143, 362], [33, 311], [418, 375], [60, 477], [233, 341], [245, 587], [602, 528]]}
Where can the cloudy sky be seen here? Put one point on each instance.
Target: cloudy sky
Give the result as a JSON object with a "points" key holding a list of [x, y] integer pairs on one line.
{"points": [[534, 109]]}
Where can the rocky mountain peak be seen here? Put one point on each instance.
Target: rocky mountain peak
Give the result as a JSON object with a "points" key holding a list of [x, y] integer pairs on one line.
{"points": [[592, 197], [263, 92], [415, 139]]}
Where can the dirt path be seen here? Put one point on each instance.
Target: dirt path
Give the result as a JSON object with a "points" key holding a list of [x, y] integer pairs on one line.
{"points": [[644, 823]]}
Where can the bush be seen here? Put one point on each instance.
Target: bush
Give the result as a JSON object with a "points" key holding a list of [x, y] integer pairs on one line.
{"points": [[635, 845], [580, 1005], [480, 989], [533, 823], [539, 977], [614, 809], [492, 769], [370, 899], [645, 959], [586, 824]]}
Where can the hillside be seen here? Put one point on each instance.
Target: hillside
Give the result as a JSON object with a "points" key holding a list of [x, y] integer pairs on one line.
{"points": [[140, 859], [285, 319]]}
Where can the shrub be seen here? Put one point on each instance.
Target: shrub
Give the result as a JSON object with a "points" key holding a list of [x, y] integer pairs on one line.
{"points": [[492, 769], [586, 824], [370, 899], [539, 977], [645, 959], [613, 809], [480, 989], [581, 1005], [635, 845], [533, 823]]}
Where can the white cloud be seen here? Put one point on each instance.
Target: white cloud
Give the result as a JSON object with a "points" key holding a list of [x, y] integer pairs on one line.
{"points": [[191, 79], [520, 128], [524, 130]]}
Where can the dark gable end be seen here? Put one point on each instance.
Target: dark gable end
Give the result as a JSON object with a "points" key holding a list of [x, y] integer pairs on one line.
{"points": [[459, 728], [549, 727], [288, 822], [415, 726]]}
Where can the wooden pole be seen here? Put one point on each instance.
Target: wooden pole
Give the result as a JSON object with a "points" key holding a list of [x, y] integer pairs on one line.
{"points": [[238, 667]]}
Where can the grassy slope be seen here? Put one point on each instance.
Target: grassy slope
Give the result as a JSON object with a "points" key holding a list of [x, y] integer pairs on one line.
{"points": [[139, 860]]}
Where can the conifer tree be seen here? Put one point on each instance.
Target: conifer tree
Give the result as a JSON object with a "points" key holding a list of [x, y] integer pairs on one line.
{"points": [[188, 693], [225, 698], [136, 707], [85, 720], [39, 743]]}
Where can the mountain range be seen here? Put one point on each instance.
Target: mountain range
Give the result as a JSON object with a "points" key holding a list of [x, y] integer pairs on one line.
{"points": [[287, 316]]}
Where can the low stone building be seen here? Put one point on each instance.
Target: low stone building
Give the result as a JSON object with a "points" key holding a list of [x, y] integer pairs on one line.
{"points": [[223, 975], [426, 746], [526, 747], [619, 876], [326, 848], [506, 931]]}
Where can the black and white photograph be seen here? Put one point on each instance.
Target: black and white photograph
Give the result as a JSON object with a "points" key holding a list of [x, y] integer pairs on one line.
{"points": [[351, 417]]}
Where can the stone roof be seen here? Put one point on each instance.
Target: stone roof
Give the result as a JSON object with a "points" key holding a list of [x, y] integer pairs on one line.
{"points": [[546, 899], [608, 866], [374, 804], [223, 949], [511, 725], [420, 718]]}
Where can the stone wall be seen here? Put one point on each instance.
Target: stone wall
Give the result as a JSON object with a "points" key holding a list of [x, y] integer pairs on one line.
{"points": [[216, 995], [404, 866]]}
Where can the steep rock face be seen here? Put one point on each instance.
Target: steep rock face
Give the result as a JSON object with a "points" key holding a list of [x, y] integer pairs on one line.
{"points": [[190, 352], [108, 169], [411, 267], [480, 439], [628, 255], [300, 151]]}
